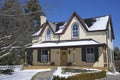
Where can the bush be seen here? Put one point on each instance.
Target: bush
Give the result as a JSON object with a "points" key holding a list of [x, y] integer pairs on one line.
{"points": [[69, 64], [52, 64], [7, 71], [84, 76], [117, 64], [75, 70]]}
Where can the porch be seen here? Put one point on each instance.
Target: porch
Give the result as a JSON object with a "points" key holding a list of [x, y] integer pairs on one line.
{"points": [[75, 56]]}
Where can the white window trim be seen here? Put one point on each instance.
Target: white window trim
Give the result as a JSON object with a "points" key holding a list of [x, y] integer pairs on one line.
{"points": [[44, 58], [75, 30], [48, 37], [90, 55]]}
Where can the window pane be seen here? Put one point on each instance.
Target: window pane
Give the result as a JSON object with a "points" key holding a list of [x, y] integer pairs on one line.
{"points": [[48, 31], [48, 34], [90, 57], [43, 52], [44, 56], [75, 32], [92, 50], [75, 27], [46, 52], [88, 50], [90, 54]]}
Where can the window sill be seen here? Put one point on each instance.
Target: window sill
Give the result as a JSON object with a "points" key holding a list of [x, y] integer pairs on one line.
{"points": [[90, 61], [43, 62], [74, 38]]}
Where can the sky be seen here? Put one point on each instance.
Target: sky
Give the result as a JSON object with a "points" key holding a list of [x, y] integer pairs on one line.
{"points": [[61, 10]]}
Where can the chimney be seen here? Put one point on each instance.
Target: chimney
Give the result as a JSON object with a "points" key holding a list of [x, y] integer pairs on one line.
{"points": [[42, 19]]}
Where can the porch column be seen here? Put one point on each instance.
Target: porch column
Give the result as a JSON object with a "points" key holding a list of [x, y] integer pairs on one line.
{"points": [[25, 62], [48, 57], [73, 56], [105, 57]]}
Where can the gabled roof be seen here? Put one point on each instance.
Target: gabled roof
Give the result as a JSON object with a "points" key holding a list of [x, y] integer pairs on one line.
{"points": [[56, 28], [89, 24]]}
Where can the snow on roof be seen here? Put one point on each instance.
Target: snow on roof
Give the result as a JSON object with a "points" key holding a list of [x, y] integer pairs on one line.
{"points": [[61, 28], [63, 44], [38, 32], [43, 45], [59, 31], [99, 24], [53, 26]]}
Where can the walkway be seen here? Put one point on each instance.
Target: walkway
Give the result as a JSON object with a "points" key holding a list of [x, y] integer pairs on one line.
{"points": [[116, 77], [44, 75]]}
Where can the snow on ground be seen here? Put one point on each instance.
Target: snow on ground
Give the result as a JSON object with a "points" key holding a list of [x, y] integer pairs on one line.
{"points": [[58, 72], [113, 73], [22, 74]]}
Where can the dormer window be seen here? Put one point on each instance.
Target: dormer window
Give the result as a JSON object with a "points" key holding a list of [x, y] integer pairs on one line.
{"points": [[48, 34], [75, 30]]}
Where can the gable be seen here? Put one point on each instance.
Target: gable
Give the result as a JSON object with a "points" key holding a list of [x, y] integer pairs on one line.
{"points": [[44, 29], [70, 20]]}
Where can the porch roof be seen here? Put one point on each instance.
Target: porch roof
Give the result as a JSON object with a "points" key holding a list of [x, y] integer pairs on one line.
{"points": [[67, 44]]}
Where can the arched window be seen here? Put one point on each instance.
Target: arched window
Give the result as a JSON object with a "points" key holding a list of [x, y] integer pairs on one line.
{"points": [[48, 34], [75, 30]]}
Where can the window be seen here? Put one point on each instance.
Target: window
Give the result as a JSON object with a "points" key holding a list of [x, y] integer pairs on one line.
{"points": [[48, 34], [43, 55], [75, 31], [90, 54]]}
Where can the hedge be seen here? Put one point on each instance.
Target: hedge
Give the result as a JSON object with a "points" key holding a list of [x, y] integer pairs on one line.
{"points": [[84, 76]]}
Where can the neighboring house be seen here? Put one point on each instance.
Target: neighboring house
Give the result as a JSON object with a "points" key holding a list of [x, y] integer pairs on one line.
{"points": [[78, 42]]}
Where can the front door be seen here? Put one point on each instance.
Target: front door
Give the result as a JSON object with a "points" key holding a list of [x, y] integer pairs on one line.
{"points": [[63, 58]]}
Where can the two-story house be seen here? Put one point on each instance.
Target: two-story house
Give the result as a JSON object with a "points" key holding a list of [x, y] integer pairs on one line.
{"points": [[78, 42]]}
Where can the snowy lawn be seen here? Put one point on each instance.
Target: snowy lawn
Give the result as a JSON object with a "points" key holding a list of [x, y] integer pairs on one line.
{"points": [[22, 74], [113, 73]]}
